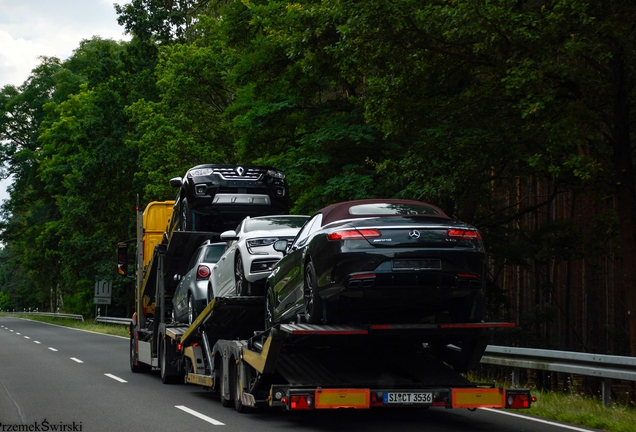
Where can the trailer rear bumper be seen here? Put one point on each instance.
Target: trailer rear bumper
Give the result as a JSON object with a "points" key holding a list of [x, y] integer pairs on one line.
{"points": [[354, 398]]}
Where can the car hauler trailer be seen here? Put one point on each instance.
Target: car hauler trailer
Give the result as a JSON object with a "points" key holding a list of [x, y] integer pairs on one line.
{"points": [[296, 366]]}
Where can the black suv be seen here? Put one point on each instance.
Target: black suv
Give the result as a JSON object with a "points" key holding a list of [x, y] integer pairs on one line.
{"points": [[217, 198]]}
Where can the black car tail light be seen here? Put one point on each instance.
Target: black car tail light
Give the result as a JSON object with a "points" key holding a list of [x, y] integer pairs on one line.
{"points": [[353, 234], [203, 272], [464, 234]]}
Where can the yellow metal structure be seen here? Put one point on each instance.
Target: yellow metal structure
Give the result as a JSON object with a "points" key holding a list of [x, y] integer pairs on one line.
{"points": [[156, 218]]}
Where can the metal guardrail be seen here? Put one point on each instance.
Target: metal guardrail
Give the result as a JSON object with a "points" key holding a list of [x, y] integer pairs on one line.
{"points": [[49, 314], [113, 320], [607, 367]]}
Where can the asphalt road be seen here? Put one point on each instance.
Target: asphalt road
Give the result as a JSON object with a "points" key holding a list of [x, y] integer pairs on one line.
{"points": [[57, 378]]}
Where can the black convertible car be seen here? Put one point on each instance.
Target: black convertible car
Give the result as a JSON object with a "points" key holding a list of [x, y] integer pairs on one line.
{"points": [[379, 262]]}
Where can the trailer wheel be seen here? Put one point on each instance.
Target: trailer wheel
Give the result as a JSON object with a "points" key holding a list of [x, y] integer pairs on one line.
{"points": [[237, 390], [167, 370], [226, 385], [313, 302]]}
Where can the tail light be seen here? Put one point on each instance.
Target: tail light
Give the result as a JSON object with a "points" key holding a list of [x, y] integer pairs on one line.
{"points": [[353, 234], [519, 400], [203, 272], [301, 402], [464, 234]]}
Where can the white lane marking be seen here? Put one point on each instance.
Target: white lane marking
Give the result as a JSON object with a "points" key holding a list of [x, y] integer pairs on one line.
{"points": [[116, 378], [11, 330], [37, 342], [26, 337], [551, 423], [76, 360], [199, 415], [52, 349]]}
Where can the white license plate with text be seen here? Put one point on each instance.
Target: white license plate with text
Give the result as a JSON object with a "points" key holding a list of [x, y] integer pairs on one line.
{"points": [[407, 397]]}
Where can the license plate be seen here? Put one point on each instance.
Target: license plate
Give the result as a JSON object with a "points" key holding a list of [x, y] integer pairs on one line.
{"points": [[417, 264], [408, 398]]}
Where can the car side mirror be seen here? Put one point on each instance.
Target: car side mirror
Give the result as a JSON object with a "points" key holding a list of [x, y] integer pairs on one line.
{"points": [[176, 182], [229, 236], [281, 246]]}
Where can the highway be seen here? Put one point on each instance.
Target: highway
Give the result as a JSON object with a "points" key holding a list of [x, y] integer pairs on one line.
{"points": [[58, 378]]}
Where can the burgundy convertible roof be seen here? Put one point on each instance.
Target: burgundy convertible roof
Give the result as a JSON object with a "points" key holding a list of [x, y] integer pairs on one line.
{"points": [[340, 211]]}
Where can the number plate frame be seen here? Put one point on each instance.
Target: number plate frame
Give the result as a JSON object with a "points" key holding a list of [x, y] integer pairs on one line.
{"points": [[408, 398]]}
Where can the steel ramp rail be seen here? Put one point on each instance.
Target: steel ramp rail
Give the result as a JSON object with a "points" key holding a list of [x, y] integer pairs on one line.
{"points": [[229, 318]]}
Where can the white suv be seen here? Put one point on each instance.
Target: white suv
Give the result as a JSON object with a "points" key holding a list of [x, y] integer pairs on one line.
{"points": [[250, 255]]}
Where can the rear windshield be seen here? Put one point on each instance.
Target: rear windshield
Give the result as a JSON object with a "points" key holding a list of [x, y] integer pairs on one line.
{"points": [[273, 223], [213, 253], [392, 209]]}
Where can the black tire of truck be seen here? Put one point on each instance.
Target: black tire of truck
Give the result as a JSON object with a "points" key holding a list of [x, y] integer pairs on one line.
{"points": [[237, 391], [167, 370], [226, 384]]}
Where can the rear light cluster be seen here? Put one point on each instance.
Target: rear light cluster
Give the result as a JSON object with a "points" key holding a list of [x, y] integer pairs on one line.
{"points": [[203, 272], [464, 234], [519, 400], [354, 234], [299, 402]]}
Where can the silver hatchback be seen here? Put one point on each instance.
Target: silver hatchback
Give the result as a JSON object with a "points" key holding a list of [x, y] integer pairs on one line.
{"points": [[191, 295]]}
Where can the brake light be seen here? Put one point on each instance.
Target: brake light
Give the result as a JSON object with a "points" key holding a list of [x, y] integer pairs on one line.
{"points": [[203, 272], [463, 234], [353, 234]]}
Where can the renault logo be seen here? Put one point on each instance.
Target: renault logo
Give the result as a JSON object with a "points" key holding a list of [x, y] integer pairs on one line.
{"points": [[240, 170], [414, 234]]}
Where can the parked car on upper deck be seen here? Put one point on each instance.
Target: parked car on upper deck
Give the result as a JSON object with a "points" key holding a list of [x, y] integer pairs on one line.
{"points": [[216, 198], [191, 294], [250, 255], [379, 261]]}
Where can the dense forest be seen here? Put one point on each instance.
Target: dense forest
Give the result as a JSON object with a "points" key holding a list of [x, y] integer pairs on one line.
{"points": [[514, 116]]}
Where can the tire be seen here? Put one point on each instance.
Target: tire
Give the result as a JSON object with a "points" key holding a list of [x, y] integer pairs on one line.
{"points": [[164, 366], [313, 302], [210, 293], [192, 310], [237, 390], [241, 284], [226, 382], [269, 309], [186, 222]]}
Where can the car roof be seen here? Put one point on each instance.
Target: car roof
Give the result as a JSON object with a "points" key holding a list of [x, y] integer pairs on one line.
{"points": [[340, 211]]}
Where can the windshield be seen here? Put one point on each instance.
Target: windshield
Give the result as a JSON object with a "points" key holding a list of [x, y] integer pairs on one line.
{"points": [[392, 209], [273, 223]]}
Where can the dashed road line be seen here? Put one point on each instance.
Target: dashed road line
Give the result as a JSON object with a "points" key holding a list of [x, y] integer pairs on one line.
{"points": [[76, 360], [37, 342], [199, 415], [116, 378], [52, 349]]}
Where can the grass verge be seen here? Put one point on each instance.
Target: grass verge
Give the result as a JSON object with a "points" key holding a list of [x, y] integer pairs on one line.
{"points": [[585, 411]]}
